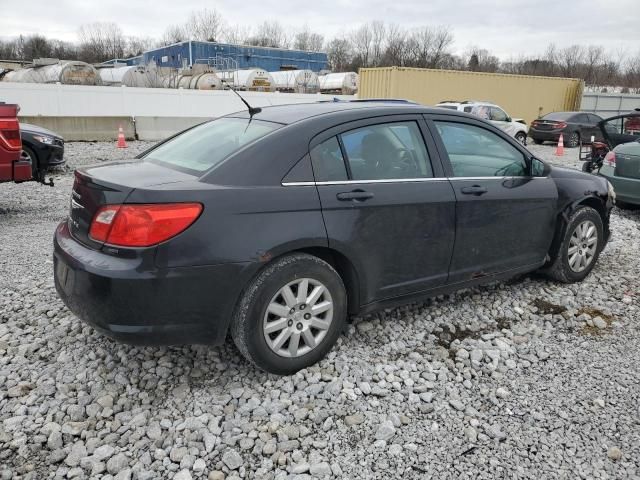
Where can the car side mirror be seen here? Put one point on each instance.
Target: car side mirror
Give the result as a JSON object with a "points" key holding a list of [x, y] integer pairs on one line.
{"points": [[508, 119], [539, 168]]}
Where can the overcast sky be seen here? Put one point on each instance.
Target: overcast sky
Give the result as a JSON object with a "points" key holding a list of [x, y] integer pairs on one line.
{"points": [[506, 27]]}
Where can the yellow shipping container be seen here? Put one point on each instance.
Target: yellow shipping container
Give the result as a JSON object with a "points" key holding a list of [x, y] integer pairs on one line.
{"points": [[522, 96]]}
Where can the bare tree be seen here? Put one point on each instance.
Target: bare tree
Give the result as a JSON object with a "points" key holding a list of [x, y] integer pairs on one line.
{"points": [[307, 40], [481, 60], [138, 45], [361, 39], [396, 45], [378, 42], [101, 41], [173, 34], [339, 54], [270, 34], [204, 25]]}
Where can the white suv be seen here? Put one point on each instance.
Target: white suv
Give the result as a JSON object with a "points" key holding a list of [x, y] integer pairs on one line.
{"points": [[516, 127]]}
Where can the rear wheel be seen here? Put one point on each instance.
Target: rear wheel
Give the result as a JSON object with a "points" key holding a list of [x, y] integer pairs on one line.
{"points": [[574, 140], [521, 137], [580, 247], [29, 155], [291, 314]]}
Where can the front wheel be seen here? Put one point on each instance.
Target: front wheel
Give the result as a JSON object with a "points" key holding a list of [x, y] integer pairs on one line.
{"points": [[587, 167], [522, 138], [580, 247], [291, 314], [29, 155]]}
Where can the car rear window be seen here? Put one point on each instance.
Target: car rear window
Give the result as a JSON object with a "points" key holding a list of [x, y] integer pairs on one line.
{"points": [[206, 146], [558, 115]]}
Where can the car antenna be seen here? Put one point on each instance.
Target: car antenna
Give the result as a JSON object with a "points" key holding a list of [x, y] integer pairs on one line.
{"points": [[252, 110]]}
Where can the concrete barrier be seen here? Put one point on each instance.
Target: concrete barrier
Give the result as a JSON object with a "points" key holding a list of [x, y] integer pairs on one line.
{"points": [[158, 128], [85, 128], [91, 129]]}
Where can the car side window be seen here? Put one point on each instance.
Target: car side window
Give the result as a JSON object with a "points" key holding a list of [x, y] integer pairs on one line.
{"points": [[327, 161], [387, 151], [476, 152], [593, 118], [498, 115]]}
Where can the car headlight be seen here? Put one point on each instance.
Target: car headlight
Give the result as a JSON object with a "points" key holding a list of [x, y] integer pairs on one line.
{"points": [[611, 191], [44, 139]]}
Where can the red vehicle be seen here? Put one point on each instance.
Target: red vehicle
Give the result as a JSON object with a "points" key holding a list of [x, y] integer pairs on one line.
{"points": [[12, 167]]}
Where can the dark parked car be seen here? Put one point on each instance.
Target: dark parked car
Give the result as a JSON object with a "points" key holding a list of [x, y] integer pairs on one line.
{"points": [[42, 147], [574, 127], [279, 226]]}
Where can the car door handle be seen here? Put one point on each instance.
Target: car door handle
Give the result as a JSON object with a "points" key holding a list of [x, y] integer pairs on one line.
{"points": [[357, 195], [474, 190]]}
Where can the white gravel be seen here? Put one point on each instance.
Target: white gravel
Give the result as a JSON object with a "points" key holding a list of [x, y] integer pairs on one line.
{"points": [[527, 379]]}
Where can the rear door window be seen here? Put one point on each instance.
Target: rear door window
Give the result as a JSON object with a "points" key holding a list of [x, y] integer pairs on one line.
{"points": [[206, 146], [476, 152], [328, 163], [387, 151]]}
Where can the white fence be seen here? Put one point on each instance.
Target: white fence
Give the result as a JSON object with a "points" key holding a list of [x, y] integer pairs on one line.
{"points": [[85, 101], [609, 104]]}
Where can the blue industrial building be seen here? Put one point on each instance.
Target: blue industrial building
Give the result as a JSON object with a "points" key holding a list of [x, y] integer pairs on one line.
{"points": [[226, 56]]}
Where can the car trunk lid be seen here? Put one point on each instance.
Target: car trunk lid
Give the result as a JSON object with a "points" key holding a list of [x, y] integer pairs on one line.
{"points": [[111, 184]]}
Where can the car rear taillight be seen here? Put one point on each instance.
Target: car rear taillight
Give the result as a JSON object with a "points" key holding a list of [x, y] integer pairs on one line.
{"points": [[10, 134], [610, 159], [560, 125], [142, 225]]}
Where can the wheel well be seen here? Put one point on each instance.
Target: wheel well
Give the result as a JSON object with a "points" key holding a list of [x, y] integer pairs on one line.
{"points": [[345, 269], [561, 222], [597, 205]]}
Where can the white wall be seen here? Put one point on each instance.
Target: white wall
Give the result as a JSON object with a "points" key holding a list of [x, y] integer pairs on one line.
{"points": [[85, 101], [609, 104]]}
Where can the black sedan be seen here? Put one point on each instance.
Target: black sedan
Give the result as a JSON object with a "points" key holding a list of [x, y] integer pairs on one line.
{"points": [[42, 147], [574, 127], [278, 226]]}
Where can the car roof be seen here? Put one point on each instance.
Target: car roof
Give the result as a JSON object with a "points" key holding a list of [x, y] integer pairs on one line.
{"points": [[292, 113]]}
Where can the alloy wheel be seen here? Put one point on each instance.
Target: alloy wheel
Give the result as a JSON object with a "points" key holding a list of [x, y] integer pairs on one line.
{"points": [[582, 246], [298, 317]]}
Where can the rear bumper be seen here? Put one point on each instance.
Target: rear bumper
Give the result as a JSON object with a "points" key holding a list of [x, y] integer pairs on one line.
{"points": [[627, 189], [545, 135], [119, 297]]}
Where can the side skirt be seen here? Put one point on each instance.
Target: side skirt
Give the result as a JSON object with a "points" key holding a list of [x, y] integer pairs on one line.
{"points": [[450, 288]]}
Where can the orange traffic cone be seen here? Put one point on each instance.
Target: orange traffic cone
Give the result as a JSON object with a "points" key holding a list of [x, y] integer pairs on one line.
{"points": [[560, 147], [121, 141]]}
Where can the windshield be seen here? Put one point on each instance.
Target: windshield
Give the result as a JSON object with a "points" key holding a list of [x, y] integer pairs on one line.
{"points": [[206, 146]]}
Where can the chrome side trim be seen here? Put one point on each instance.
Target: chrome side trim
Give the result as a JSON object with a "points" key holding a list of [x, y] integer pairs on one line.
{"points": [[360, 182], [398, 180]]}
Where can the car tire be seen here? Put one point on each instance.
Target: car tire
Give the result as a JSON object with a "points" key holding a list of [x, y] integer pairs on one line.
{"points": [[538, 141], [265, 338], [587, 167], [573, 140], [28, 153], [569, 269], [521, 137]]}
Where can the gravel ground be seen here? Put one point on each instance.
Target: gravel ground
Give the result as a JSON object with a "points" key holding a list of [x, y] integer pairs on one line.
{"points": [[526, 379]]}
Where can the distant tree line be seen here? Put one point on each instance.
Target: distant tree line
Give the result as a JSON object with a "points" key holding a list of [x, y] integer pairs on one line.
{"points": [[374, 44]]}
